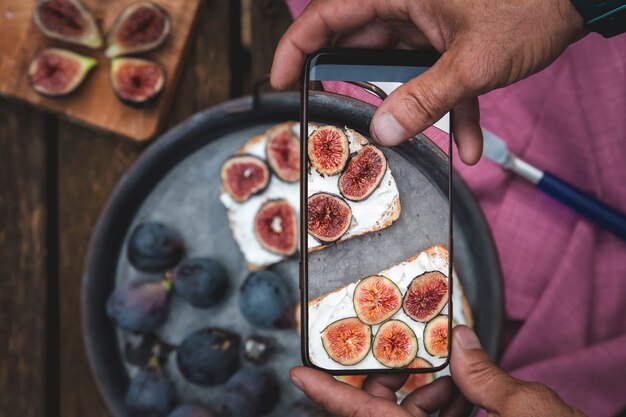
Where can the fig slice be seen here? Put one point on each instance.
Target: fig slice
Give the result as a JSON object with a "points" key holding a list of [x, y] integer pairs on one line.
{"points": [[347, 341], [283, 153], [276, 227], [140, 27], [425, 296], [376, 299], [243, 176], [136, 82], [328, 150], [415, 381], [328, 217], [395, 344], [364, 173], [57, 72], [67, 20], [436, 336]]}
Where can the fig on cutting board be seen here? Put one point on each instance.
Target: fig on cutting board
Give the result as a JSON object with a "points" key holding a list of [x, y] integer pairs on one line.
{"points": [[395, 344], [57, 72], [328, 150], [328, 217], [243, 176], [376, 299], [365, 170], [142, 26], [276, 227], [136, 82], [436, 336], [347, 341], [425, 296], [68, 21], [283, 153], [415, 381]]}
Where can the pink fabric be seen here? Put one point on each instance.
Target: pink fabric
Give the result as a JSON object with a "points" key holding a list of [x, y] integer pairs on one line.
{"points": [[564, 278]]}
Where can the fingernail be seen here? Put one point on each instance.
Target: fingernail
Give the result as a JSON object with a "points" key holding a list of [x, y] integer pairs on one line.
{"points": [[387, 131], [295, 381], [467, 338]]}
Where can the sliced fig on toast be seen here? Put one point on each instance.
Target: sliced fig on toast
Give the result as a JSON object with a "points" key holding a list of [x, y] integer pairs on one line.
{"points": [[328, 150], [243, 176], [347, 341], [328, 217], [436, 336], [283, 153], [363, 174], [376, 299], [425, 296], [395, 344], [276, 227]]}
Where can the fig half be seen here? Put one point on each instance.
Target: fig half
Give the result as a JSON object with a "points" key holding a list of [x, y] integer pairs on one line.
{"points": [[136, 82], [415, 381], [276, 227], [436, 336], [57, 72], [283, 153], [395, 344], [365, 170], [328, 150], [328, 217], [347, 341], [425, 296], [68, 21], [142, 26], [376, 299], [243, 176]]}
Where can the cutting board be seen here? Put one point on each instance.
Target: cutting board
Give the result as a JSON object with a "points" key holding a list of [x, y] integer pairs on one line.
{"points": [[94, 102]]}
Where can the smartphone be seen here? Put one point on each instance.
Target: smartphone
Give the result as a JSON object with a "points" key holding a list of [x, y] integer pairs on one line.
{"points": [[376, 232]]}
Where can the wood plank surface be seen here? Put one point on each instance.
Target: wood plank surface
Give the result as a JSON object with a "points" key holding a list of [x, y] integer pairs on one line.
{"points": [[90, 164], [23, 235], [94, 103]]}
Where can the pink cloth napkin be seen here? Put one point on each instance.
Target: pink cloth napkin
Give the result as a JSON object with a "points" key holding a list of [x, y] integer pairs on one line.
{"points": [[564, 278]]}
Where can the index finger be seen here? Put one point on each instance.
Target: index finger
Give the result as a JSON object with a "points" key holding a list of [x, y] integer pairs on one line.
{"points": [[311, 31]]}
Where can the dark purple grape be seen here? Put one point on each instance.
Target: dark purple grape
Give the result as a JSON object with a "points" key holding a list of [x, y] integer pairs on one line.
{"points": [[305, 408], [250, 392], [139, 307], [200, 281], [190, 410], [154, 247], [150, 394], [265, 301], [208, 356]]}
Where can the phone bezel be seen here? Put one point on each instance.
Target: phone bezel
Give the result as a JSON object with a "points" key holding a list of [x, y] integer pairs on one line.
{"points": [[349, 56]]}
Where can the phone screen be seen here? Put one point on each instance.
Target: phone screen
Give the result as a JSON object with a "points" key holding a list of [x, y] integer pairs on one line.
{"points": [[376, 223]]}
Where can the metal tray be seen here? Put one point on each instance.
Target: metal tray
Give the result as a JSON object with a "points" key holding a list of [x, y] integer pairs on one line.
{"points": [[176, 181]]}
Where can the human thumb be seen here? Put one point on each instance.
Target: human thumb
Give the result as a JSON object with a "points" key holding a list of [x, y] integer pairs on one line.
{"points": [[419, 103], [476, 376]]}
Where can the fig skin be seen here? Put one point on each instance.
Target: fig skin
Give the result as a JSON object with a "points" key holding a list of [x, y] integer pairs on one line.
{"points": [[319, 150], [280, 237], [283, 154], [56, 72], [68, 21], [257, 187], [137, 82], [436, 338], [368, 160], [141, 27], [376, 299], [395, 344], [425, 306], [347, 334], [315, 216]]}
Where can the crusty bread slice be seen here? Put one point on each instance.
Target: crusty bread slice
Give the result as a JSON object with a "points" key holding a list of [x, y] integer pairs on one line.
{"points": [[390, 215], [437, 252]]}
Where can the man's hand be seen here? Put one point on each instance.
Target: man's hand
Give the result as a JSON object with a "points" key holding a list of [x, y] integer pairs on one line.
{"points": [[485, 44], [476, 376]]}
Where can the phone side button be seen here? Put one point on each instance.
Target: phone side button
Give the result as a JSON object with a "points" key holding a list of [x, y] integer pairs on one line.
{"points": [[301, 274]]}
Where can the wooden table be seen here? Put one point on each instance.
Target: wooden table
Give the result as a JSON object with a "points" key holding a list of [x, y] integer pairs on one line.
{"points": [[54, 179]]}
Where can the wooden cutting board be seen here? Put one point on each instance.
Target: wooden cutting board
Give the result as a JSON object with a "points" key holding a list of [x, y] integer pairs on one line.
{"points": [[94, 102]]}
